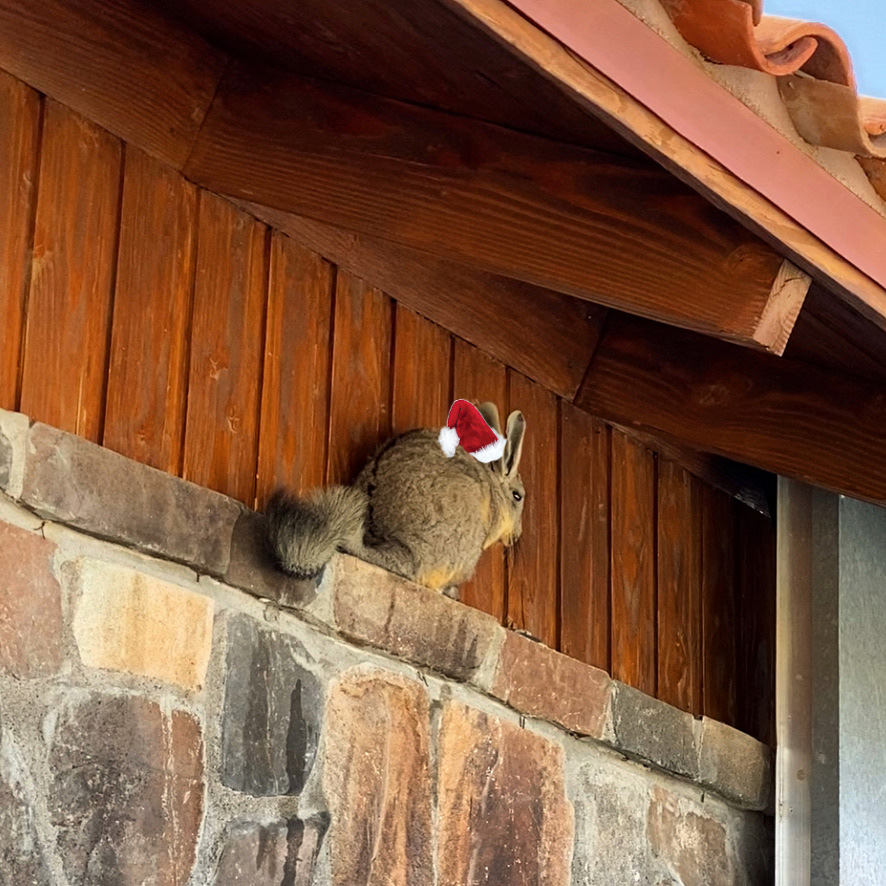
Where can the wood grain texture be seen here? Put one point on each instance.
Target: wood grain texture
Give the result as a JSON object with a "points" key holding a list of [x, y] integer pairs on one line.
{"points": [[633, 564], [533, 573], [422, 372], [645, 127], [298, 353], [678, 596], [783, 416], [72, 274], [506, 318], [227, 347], [718, 588], [756, 488], [584, 537], [129, 68], [615, 232], [755, 609], [147, 378], [477, 376], [830, 334], [19, 145], [402, 49], [360, 396]]}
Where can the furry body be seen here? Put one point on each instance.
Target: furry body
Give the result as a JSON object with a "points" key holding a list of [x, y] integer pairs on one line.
{"points": [[412, 510]]}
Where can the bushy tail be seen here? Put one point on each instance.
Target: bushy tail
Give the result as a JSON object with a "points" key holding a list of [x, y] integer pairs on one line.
{"points": [[305, 533]]}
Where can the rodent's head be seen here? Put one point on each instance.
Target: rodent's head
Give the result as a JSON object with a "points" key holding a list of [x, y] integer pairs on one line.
{"points": [[506, 472]]}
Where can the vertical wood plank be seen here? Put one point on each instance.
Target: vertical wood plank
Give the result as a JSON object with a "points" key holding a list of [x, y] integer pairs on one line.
{"points": [[477, 376], [584, 537], [633, 563], [755, 606], [295, 387], [679, 588], [422, 369], [19, 146], [359, 409], [719, 626], [533, 567], [72, 274], [227, 343], [147, 380]]}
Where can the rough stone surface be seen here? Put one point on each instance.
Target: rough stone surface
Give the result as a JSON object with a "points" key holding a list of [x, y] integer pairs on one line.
{"points": [[543, 683], [376, 780], [653, 731], [503, 814], [735, 765], [252, 566], [418, 624], [77, 482], [127, 791], [127, 621], [690, 845], [13, 441], [611, 806], [272, 711], [31, 638], [278, 854], [21, 856]]}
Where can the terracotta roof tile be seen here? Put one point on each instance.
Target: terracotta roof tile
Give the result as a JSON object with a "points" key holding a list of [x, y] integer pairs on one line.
{"points": [[813, 67]]}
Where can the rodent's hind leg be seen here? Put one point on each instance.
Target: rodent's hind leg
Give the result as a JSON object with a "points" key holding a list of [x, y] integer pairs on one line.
{"points": [[452, 592], [389, 554]]}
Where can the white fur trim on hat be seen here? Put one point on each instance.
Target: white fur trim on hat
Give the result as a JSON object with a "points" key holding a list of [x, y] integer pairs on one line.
{"points": [[449, 441], [492, 451]]}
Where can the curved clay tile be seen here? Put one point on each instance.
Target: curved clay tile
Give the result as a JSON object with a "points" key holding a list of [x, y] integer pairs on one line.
{"points": [[811, 61], [735, 32]]}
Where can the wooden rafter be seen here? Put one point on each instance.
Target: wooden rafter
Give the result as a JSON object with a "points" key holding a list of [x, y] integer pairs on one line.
{"points": [[607, 230], [781, 415], [505, 318], [789, 172]]}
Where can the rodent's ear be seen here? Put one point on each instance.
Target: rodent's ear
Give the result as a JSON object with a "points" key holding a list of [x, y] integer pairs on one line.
{"points": [[514, 446], [489, 411]]}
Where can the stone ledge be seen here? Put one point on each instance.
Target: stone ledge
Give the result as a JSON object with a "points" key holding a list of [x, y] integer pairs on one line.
{"points": [[652, 731], [69, 480], [540, 682], [13, 443], [73, 481], [374, 607]]}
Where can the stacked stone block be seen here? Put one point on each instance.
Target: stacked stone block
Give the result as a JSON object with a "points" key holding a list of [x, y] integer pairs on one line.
{"points": [[174, 711]]}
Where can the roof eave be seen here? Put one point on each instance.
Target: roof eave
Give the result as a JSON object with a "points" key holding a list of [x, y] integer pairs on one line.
{"points": [[702, 133]]}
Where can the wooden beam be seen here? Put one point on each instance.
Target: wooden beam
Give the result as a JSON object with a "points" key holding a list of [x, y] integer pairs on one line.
{"points": [[120, 63], [643, 127], [611, 231], [777, 414], [546, 336]]}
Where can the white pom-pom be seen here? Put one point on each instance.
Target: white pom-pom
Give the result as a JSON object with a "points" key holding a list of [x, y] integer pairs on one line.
{"points": [[448, 441]]}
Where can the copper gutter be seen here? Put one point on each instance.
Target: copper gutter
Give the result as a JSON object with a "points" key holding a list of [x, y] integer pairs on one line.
{"points": [[617, 44]]}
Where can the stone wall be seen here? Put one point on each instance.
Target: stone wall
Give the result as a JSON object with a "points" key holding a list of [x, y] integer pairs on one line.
{"points": [[173, 711]]}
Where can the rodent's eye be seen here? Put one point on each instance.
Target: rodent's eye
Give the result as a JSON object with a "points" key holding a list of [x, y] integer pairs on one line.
{"points": [[517, 496]]}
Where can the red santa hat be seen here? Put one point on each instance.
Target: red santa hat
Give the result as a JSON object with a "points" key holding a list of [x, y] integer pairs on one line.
{"points": [[467, 427]]}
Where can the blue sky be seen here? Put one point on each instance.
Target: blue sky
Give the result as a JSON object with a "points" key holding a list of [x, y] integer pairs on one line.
{"points": [[861, 24]]}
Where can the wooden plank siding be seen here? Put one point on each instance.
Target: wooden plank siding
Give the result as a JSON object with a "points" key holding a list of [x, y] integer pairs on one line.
{"points": [[533, 564], [20, 111], [148, 373], [584, 537], [297, 361], [178, 329], [227, 348], [72, 273], [477, 376], [633, 615]]}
